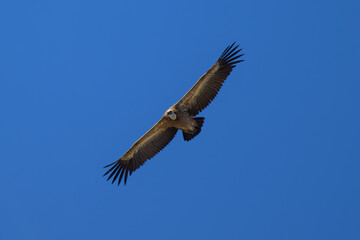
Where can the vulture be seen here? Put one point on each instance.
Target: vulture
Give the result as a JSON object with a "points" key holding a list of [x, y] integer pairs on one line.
{"points": [[181, 116]]}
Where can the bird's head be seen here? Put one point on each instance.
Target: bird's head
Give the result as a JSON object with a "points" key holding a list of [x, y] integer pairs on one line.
{"points": [[171, 114]]}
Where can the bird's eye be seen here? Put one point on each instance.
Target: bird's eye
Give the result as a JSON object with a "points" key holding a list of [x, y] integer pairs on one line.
{"points": [[170, 112]]}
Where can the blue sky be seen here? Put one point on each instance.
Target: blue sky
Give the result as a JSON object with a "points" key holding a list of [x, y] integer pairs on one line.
{"points": [[277, 158]]}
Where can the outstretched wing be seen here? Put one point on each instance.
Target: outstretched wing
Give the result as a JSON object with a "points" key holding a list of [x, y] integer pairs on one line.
{"points": [[143, 149], [207, 87]]}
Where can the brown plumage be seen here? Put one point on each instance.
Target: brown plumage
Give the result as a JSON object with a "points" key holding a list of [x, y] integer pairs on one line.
{"points": [[180, 116]]}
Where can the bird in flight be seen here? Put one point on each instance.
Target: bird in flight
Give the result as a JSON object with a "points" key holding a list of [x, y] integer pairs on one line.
{"points": [[181, 116]]}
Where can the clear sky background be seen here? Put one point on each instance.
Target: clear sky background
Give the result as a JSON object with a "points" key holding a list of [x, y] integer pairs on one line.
{"points": [[278, 156]]}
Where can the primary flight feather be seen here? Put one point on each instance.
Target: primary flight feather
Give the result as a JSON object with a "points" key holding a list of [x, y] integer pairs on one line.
{"points": [[180, 116]]}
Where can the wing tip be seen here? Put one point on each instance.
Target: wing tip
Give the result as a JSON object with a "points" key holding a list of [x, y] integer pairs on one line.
{"points": [[230, 54], [119, 167]]}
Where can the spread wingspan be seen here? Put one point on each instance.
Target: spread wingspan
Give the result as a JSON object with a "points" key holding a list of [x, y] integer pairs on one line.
{"points": [[194, 101]]}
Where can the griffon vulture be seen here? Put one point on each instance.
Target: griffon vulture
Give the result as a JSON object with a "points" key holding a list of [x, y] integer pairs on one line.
{"points": [[180, 116]]}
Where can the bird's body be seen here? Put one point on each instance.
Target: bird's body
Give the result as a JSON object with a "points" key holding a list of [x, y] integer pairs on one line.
{"points": [[183, 121], [181, 116]]}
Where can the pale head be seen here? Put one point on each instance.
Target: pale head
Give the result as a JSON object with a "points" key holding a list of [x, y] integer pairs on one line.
{"points": [[171, 114]]}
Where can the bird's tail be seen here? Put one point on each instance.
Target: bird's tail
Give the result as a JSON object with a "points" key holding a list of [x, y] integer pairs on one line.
{"points": [[190, 135]]}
